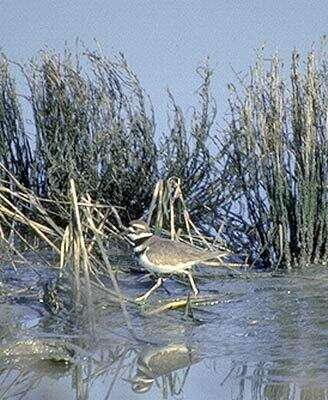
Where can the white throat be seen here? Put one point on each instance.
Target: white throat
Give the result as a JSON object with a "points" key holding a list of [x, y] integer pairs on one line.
{"points": [[137, 236]]}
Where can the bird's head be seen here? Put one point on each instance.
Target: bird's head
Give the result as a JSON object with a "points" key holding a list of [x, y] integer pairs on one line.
{"points": [[138, 229]]}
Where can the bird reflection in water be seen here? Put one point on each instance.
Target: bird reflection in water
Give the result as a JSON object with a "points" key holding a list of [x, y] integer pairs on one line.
{"points": [[166, 366]]}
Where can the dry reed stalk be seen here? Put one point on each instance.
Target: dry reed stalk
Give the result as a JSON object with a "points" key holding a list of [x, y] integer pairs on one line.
{"points": [[28, 197], [98, 235], [16, 215], [168, 209], [24, 241], [80, 253]]}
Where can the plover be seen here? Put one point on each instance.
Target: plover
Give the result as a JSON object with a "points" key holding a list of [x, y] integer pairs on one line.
{"points": [[165, 257]]}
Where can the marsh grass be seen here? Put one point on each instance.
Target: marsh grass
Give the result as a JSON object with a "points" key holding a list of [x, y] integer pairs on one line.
{"points": [[96, 127], [277, 151], [15, 151], [260, 186], [95, 124]]}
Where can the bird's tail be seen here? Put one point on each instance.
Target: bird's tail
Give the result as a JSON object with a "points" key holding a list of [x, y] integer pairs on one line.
{"points": [[213, 256]]}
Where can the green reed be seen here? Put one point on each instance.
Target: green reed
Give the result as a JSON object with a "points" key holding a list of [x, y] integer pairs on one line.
{"points": [[277, 151], [15, 152]]}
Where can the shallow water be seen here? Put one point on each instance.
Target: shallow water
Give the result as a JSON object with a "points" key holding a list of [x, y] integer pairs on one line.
{"points": [[266, 339]]}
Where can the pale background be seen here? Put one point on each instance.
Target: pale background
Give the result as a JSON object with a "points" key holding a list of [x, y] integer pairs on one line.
{"points": [[165, 40]]}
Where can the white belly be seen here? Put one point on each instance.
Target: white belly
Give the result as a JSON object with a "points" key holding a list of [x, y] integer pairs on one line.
{"points": [[162, 269]]}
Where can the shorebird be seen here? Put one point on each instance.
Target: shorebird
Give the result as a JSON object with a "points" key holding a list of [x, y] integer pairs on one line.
{"points": [[164, 257]]}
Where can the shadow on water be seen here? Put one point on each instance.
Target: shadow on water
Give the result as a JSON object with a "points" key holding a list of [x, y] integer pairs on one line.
{"points": [[267, 339]]}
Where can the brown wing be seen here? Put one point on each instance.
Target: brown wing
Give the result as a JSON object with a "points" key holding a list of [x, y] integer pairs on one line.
{"points": [[170, 252]]}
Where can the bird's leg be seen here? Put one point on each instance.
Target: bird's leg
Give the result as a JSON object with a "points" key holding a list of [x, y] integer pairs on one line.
{"points": [[151, 290], [192, 283]]}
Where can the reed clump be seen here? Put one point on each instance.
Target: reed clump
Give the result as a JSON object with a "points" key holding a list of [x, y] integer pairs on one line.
{"points": [[95, 124], [259, 184], [96, 130], [277, 151], [15, 151]]}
